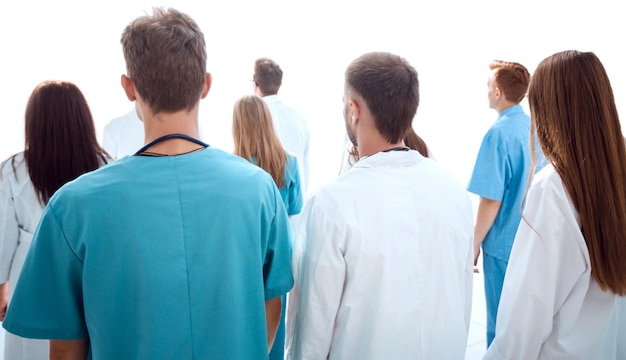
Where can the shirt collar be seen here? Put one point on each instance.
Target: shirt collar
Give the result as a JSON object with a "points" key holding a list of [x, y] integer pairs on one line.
{"points": [[511, 110], [390, 159], [271, 99]]}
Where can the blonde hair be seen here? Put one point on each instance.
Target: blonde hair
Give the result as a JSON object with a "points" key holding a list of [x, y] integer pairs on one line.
{"points": [[254, 136]]}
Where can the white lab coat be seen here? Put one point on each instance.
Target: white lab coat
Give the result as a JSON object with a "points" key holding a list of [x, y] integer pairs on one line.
{"points": [[383, 264], [292, 130], [123, 135], [20, 211], [551, 308]]}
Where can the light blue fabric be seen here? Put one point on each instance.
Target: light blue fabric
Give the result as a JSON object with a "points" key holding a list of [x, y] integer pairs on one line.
{"points": [[159, 258], [501, 174], [493, 290]]}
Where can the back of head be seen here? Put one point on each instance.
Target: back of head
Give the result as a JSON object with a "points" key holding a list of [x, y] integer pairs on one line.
{"points": [[575, 118], [252, 125], [165, 57], [254, 136], [268, 76], [573, 107], [512, 79], [389, 86], [61, 141]]}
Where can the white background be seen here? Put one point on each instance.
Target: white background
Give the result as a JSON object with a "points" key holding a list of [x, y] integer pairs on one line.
{"points": [[450, 43]]}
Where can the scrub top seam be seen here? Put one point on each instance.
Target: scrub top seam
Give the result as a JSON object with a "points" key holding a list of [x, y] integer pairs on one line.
{"points": [[180, 203]]}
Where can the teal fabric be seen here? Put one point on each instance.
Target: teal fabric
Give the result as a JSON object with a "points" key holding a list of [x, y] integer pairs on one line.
{"points": [[292, 198], [159, 258], [291, 191]]}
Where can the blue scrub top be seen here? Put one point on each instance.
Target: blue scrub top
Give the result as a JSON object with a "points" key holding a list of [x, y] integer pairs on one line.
{"points": [[501, 173]]}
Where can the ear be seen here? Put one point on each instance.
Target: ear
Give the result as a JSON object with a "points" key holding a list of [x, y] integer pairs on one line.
{"points": [[208, 80], [257, 89], [129, 88], [355, 108], [498, 93]]}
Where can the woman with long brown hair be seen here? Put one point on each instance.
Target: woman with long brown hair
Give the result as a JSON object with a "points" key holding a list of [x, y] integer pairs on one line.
{"points": [[60, 145], [564, 288], [256, 141]]}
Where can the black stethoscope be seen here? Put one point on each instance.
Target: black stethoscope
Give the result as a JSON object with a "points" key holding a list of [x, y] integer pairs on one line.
{"points": [[399, 148], [167, 137]]}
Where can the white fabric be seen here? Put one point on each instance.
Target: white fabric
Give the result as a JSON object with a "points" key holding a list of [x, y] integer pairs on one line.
{"points": [[551, 308], [293, 132], [347, 159], [383, 263], [20, 211], [123, 135]]}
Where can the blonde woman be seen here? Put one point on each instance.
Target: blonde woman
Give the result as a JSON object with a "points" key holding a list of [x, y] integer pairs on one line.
{"points": [[256, 141]]}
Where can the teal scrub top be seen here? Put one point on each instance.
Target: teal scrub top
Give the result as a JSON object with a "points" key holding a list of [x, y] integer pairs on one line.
{"points": [[291, 190], [158, 258]]}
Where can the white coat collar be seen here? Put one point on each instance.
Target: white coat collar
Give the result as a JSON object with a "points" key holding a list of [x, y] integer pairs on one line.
{"points": [[271, 99], [390, 159]]}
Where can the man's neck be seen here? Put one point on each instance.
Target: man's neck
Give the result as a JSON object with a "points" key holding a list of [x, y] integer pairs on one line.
{"points": [[376, 144], [505, 106], [182, 122]]}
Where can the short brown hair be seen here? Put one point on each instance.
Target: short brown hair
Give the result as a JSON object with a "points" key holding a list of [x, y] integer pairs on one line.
{"points": [[166, 59], [268, 76], [389, 86], [512, 79]]}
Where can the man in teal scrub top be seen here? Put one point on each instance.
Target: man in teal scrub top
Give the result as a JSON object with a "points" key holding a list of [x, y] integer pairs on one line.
{"points": [[179, 252]]}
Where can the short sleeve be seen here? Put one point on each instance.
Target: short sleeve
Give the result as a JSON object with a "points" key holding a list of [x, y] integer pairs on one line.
{"points": [[295, 189], [48, 302], [489, 176], [277, 273]]}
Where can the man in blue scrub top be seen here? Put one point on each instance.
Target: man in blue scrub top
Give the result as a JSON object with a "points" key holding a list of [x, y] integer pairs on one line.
{"points": [[500, 178], [179, 252]]}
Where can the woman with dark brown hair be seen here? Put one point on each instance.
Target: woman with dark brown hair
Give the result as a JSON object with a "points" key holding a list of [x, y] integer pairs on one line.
{"points": [[60, 145], [563, 294]]}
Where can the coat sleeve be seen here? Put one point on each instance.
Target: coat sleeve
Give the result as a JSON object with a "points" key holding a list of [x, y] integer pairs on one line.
{"points": [[319, 271], [9, 227], [545, 264]]}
